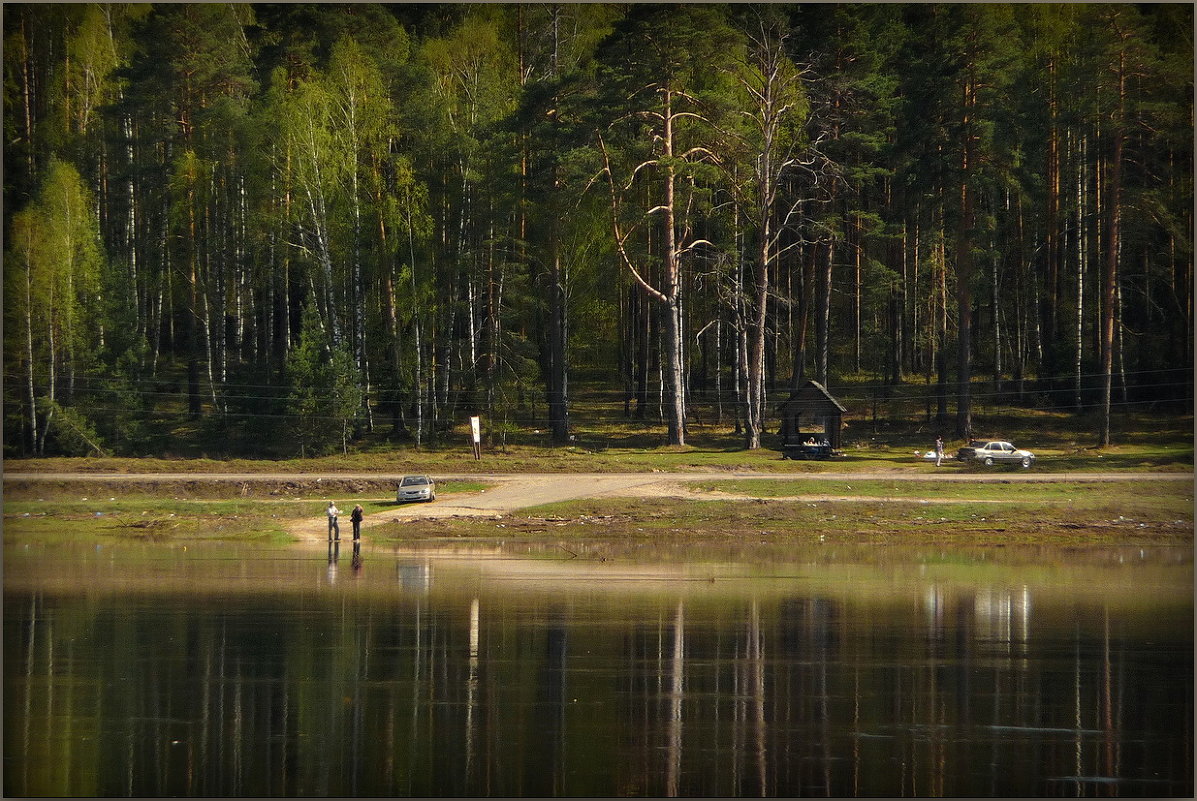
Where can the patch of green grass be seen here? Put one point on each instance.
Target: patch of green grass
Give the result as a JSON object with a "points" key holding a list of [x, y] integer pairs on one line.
{"points": [[1019, 504], [61, 529], [142, 514], [449, 487], [1178, 493], [149, 519], [1102, 518]]}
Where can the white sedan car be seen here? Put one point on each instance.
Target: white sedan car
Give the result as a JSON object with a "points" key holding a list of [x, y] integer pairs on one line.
{"points": [[996, 452], [416, 488]]}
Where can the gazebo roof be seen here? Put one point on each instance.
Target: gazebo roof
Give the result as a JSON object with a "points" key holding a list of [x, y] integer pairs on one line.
{"points": [[813, 398]]}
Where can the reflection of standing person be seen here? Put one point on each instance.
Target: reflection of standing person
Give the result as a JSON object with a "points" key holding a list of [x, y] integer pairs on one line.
{"points": [[334, 530], [938, 451], [356, 518]]}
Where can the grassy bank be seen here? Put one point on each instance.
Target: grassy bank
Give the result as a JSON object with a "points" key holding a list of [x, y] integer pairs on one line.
{"points": [[863, 458], [734, 512], [1125, 513], [66, 511], [1138, 496], [148, 520]]}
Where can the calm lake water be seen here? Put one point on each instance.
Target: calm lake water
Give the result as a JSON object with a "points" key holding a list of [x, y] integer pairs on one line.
{"points": [[229, 671]]}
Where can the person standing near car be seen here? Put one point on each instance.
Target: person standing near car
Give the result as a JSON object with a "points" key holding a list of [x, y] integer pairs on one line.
{"points": [[355, 517], [334, 530], [938, 450]]}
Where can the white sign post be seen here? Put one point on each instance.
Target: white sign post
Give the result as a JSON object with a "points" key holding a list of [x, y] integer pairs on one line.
{"points": [[476, 430]]}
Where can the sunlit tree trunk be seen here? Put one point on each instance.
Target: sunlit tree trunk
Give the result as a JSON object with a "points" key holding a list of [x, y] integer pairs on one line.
{"points": [[672, 289], [823, 311], [1082, 263], [1112, 243], [804, 263], [1053, 251], [965, 269], [940, 318], [558, 368], [192, 312]]}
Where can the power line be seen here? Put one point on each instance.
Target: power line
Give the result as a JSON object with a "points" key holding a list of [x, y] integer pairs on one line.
{"points": [[895, 394], [852, 386], [11, 376]]}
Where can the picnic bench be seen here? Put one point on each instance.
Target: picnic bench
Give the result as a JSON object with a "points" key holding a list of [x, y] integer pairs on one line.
{"points": [[803, 450]]}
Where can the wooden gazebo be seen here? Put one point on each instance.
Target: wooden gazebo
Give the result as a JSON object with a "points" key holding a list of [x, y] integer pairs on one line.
{"points": [[810, 414]]}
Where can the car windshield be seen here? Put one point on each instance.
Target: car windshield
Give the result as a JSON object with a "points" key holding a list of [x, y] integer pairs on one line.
{"points": [[412, 481]]}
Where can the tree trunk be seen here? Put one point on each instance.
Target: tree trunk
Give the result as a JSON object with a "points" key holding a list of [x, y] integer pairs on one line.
{"points": [[1112, 242], [1050, 300], [941, 338], [857, 248], [915, 357], [359, 302], [672, 292], [669, 294], [27, 101], [557, 372], [806, 268], [996, 295], [823, 313], [964, 276], [558, 368], [192, 313], [719, 369], [896, 254], [1082, 263], [30, 395], [643, 313], [755, 408], [52, 378]]}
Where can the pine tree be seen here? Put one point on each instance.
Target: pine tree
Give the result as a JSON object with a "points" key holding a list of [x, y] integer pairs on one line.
{"points": [[325, 397], [660, 60]]}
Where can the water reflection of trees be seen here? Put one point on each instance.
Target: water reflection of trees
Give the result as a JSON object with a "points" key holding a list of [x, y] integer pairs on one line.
{"points": [[952, 692]]}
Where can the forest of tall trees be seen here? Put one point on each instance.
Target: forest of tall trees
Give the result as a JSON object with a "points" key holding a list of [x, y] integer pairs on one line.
{"points": [[310, 224]]}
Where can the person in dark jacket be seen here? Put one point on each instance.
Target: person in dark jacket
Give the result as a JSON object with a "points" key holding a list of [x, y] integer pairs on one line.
{"points": [[356, 518]]}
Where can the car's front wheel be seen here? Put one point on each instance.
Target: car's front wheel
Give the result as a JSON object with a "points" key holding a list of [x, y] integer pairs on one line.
{"points": [[989, 461], [1026, 461]]}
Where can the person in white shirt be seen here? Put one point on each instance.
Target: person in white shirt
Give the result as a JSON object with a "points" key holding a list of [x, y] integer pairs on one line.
{"points": [[334, 530]]}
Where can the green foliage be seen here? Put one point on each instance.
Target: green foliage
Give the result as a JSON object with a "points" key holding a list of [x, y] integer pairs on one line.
{"points": [[72, 433], [127, 406], [324, 399], [182, 179], [52, 285]]}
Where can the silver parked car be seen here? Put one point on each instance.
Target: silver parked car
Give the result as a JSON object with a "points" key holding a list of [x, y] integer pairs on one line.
{"points": [[996, 452], [416, 488]]}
